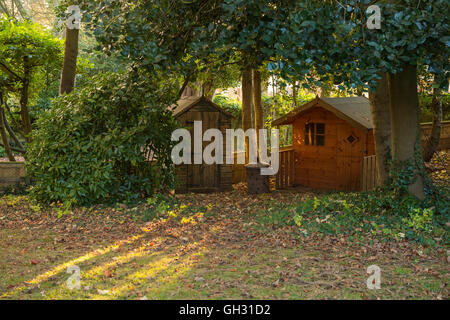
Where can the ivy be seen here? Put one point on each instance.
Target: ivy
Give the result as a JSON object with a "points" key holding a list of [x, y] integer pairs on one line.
{"points": [[382, 214]]}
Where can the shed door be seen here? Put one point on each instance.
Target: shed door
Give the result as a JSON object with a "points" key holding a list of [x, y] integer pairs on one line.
{"points": [[349, 153], [202, 176]]}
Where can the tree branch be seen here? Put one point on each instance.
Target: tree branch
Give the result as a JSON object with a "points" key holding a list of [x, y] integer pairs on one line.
{"points": [[13, 148], [185, 83], [8, 70], [12, 134]]}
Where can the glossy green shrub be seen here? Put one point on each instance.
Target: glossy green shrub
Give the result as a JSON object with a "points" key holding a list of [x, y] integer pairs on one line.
{"points": [[88, 147]]}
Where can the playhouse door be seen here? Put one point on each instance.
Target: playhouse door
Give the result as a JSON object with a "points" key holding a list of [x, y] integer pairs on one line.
{"points": [[203, 177], [349, 145]]}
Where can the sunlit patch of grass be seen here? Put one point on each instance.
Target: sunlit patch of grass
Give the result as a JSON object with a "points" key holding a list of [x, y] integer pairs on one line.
{"points": [[117, 273], [63, 266], [118, 260], [403, 271]]}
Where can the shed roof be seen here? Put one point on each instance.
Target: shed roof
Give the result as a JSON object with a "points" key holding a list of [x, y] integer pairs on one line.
{"points": [[355, 110], [183, 105]]}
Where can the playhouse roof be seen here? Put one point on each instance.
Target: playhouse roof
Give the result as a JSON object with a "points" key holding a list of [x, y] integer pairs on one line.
{"points": [[183, 105], [355, 110]]}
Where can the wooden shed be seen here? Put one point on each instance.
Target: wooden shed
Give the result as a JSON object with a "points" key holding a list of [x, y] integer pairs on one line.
{"points": [[331, 136], [203, 178]]}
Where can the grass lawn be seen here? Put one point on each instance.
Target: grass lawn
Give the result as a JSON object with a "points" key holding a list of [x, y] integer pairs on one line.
{"points": [[220, 250]]}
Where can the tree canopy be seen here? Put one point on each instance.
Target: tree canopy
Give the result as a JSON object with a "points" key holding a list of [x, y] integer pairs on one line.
{"points": [[27, 53]]}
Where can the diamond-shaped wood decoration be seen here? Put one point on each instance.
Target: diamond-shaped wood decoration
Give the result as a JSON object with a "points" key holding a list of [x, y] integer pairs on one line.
{"points": [[351, 139]]}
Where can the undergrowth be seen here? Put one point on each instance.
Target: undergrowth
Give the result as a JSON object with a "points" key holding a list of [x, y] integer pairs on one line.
{"points": [[361, 217]]}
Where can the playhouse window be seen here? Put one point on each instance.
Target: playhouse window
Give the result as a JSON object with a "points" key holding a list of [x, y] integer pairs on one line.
{"points": [[315, 134]]}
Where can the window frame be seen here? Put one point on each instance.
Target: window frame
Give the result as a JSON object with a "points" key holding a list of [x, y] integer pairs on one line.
{"points": [[311, 134]]}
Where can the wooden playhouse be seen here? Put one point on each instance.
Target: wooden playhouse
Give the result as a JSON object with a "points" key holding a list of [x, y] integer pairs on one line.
{"points": [[331, 137], [202, 178]]}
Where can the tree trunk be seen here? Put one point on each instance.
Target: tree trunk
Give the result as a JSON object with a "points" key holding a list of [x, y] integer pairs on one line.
{"points": [[286, 135], [190, 92], [5, 138], [70, 61], [432, 141], [183, 86], [381, 118], [404, 106], [259, 117], [208, 86], [247, 99], [19, 146], [209, 89], [5, 9], [323, 92], [294, 94], [24, 112], [23, 13], [257, 104]]}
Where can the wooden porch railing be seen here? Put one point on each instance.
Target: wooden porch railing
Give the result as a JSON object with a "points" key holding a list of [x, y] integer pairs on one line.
{"points": [[286, 172], [239, 173], [369, 177]]}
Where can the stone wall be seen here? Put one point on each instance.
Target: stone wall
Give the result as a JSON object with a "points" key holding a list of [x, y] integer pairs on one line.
{"points": [[12, 173]]}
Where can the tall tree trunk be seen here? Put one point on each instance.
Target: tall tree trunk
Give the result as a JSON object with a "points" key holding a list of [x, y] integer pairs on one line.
{"points": [[70, 61], [259, 117], [432, 142], [381, 118], [5, 138], [190, 92], [24, 112], [257, 104], [405, 127], [324, 92], [183, 87], [4, 9], [294, 94], [247, 99], [23, 13], [208, 86], [286, 135], [209, 89]]}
